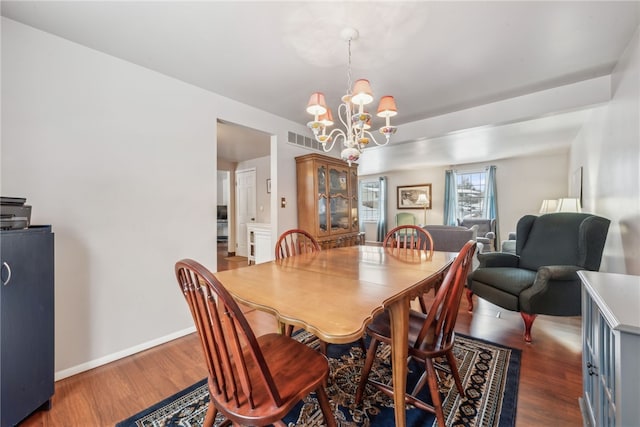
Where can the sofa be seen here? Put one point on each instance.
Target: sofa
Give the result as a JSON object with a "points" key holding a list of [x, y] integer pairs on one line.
{"points": [[486, 232], [448, 238], [509, 245]]}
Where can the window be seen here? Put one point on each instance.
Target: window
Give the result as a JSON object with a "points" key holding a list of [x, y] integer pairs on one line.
{"points": [[471, 188], [369, 197]]}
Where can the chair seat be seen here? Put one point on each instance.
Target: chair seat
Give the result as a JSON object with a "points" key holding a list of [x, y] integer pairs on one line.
{"points": [[294, 380], [507, 279]]}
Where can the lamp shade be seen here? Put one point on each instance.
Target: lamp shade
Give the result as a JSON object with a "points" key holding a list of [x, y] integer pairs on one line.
{"points": [[387, 107], [317, 104], [362, 93], [549, 205], [422, 200], [326, 118], [569, 205]]}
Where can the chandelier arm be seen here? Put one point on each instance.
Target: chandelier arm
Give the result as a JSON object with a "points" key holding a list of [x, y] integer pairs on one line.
{"points": [[333, 136], [373, 138], [344, 109]]}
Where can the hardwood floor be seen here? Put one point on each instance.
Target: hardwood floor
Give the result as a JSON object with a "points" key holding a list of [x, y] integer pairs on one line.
{"points": [[550, 376]]}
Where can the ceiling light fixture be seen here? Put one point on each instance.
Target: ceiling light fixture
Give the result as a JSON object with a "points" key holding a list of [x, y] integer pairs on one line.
{"points": [[351, 113]]}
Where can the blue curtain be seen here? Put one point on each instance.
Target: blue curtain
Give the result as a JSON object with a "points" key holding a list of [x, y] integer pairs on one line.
{"points": [[382, 206], [450, 198], [491, 201]]}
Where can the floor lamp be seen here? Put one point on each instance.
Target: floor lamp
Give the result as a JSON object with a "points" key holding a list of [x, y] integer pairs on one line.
{"points": [[424, 202]]}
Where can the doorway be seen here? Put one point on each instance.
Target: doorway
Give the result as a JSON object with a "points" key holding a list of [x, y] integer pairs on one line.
{"points": [[240, 148]]}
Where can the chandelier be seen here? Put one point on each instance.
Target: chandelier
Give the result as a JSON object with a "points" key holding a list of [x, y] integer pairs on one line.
{"points": [[352, 114]]}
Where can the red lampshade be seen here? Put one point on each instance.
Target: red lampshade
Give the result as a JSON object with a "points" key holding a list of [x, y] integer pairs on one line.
{"points": [[362, 93], [317, 104], [387, 107], [326, 118]]}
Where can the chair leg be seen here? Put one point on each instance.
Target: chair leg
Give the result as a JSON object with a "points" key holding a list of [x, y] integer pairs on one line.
{"points": [[453, 365], [366, 369], [362, 345], [435, 392], [325, 406], [423, 304], [289, 330], [323, 347], [420, 383], [470, 299], [528, 323], [210, 417]]}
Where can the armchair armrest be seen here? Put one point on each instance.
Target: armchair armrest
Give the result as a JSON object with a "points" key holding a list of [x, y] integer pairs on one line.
{"points": [[498, 259], [490, 235], [557, 273]]}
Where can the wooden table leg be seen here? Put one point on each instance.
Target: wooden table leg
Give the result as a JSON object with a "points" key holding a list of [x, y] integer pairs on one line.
{"points": [[399, 316]]}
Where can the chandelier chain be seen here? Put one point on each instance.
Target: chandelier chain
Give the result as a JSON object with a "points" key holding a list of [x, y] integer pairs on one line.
{"points": [[349, 70]]}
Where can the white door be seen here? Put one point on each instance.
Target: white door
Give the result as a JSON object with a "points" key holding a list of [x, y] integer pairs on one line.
{"points": [[245, 207]]}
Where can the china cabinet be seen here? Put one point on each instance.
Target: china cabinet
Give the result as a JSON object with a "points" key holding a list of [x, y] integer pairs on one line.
{"points": [[26, 322], [328, 200], [611, 344]]}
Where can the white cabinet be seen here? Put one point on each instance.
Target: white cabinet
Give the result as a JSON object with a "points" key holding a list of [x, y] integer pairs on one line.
{"points": [[611, 349], [259, 247]]}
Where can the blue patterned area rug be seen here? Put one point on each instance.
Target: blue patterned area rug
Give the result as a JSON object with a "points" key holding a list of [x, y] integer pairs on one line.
{"points": [[489, 374]]}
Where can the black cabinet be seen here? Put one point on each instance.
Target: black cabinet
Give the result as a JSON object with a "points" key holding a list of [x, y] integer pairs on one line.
{"points": [[26, 322]]}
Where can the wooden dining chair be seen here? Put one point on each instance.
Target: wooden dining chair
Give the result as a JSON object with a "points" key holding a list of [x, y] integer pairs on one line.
{"points": [[252, 380], [409, 237], [294, 242], [411, 241], [431, 335]]}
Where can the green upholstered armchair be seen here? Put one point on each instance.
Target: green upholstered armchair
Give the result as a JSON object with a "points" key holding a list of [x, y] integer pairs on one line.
{"points": [[540, 278], [404, 218]]}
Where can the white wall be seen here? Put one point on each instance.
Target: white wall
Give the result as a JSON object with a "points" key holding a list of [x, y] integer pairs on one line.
{"points": [[121, 161], [539, 177], [608, 149]]}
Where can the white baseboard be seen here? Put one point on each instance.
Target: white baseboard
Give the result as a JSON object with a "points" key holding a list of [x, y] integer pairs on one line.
{"points": [[121, 354]]}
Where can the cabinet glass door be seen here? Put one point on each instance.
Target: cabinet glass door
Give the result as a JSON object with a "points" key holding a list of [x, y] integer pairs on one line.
{"points": [[322, 199], [353, 186], [339, 199]]}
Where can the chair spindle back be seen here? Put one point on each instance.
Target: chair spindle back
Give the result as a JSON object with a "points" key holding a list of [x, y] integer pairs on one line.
{"points": [[295, 242], [228, 341], [409, 237]]}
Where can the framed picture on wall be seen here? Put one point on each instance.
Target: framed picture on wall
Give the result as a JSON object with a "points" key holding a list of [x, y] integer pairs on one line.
{"points": [[414, 196]]}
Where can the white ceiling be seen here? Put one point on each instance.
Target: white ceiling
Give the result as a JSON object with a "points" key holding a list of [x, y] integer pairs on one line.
{"points": [[434, 57]]}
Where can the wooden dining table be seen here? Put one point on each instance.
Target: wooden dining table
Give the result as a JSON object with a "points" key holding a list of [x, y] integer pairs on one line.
{"points": [[335, 294]]}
